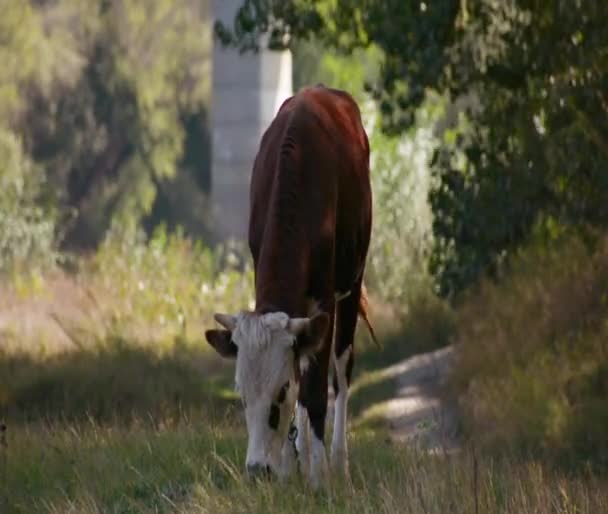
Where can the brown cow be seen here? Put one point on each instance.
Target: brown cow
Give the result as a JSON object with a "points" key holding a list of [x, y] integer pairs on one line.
{"points": [[309, 232]]}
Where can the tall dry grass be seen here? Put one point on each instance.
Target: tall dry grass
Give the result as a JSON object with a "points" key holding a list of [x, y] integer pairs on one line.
{"points": [[532, 354], [151, 291], [191, 467], [131, 413]]}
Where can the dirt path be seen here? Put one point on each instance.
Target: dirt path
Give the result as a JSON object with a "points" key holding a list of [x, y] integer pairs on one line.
{"points": [[418, 414]]}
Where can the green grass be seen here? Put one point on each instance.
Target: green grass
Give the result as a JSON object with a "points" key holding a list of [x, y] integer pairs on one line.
{"points": [[114, 382], [114, 422], [194, 466], [130, 428]]}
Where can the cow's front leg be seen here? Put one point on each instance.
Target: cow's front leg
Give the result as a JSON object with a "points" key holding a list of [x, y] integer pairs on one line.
{"points": [[339, 450], [347, 311], [318, 455], [314, 398], [303, 440], [311, 422]]}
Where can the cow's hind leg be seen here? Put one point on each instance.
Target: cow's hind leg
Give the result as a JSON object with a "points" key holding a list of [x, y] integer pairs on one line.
{"points": [[346, 321], [303, 439]]}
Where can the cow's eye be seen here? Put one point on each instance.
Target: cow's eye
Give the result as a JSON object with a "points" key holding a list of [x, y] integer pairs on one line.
{"points": [[275, 417], [283, 393]]}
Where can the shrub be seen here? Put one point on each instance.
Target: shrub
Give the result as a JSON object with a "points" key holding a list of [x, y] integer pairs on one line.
{"points": [[169, 284], [149, 291], [531, 353], [397, 263], [27, 229]]}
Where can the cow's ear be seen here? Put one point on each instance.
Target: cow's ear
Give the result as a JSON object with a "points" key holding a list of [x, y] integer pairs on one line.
{"points": [[221, 340], [311, 332]]}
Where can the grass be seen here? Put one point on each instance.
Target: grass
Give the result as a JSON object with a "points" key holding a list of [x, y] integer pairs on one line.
{"points": [[114, 382], [122, 427], [148, 291], [531, 369], [195, 467], [113, 421]]}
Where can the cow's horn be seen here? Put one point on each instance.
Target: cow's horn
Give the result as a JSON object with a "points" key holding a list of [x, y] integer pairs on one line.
{"points": [[226, 320]]}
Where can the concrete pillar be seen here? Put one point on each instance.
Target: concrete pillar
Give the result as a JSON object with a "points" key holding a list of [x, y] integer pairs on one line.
{"points": [[247, 92]]}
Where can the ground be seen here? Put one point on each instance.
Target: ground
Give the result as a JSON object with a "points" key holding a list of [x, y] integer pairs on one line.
{"points": [[137, 427], [419, 413]]}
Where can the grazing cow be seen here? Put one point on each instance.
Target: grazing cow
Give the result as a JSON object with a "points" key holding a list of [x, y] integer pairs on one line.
{"points": [[309, 232]]}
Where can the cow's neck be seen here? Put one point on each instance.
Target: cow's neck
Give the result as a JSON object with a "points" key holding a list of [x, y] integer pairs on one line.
{"points": [[282, 277], [283, 264], [281, 291]]}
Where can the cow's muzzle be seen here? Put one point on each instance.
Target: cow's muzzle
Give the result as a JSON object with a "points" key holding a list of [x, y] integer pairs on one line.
{"points": [[257, 471]]}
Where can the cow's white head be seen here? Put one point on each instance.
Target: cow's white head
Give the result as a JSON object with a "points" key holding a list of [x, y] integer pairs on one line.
{"points": [[266, 347]]}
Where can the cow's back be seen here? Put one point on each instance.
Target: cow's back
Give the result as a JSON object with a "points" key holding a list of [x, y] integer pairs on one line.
{"points": [[310, 196]]}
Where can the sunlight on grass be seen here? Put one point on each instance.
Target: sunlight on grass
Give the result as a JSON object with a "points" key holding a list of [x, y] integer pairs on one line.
{"points": [[197, 468], [369, 394], [373, 416], [111, 420]]}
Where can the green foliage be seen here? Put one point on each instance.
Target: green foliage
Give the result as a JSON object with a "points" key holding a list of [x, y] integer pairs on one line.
{"points": [[27, 232], [397, 262], [401, 240], [103, 96], [152, 291], [167, 284], [412, 35], [314, 64], [535, 152], [36, 54], [530, 81], [531, 354]]}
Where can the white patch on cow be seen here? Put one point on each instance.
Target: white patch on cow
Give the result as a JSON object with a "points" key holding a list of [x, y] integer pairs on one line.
{"points": [[318, 462], [302, 440], [304, 363], [339, 450], [264, 364], [263, 448]]}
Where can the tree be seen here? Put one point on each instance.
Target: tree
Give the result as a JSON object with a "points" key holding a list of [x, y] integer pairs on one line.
{"points": [[104, 96], [530, 149]]}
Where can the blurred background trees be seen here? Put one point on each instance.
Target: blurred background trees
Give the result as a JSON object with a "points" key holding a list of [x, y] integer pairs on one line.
{"points": [[102, 103], [524, 146], [103, 117]]}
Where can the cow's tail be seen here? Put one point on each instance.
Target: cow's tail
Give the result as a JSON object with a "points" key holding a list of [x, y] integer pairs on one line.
{"points": [[363, 305]]}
